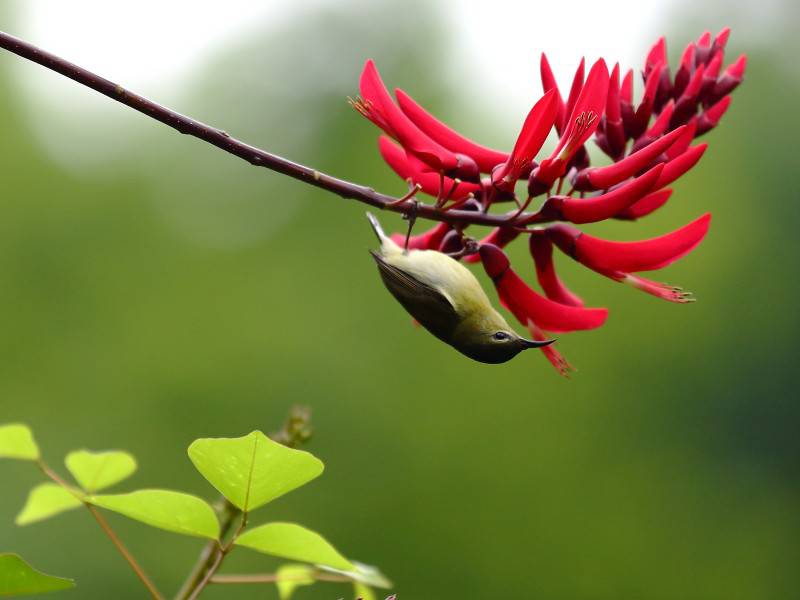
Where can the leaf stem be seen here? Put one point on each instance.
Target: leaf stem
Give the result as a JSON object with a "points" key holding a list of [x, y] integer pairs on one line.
{"points": [[253, 155], [106, 527]]}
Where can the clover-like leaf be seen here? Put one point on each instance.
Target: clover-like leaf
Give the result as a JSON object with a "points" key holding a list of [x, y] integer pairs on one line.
{"points": [[289, 540], [16, 441], [46, 500], [363, 592], [366, 574], [165, 509], [290, 577], [252, 470], [95, 471], [18, 578]]}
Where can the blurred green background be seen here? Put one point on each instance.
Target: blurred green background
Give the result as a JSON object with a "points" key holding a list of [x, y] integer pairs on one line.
{"points": [[176, 292]]}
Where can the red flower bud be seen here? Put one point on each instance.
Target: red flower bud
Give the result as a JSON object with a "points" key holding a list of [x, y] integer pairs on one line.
{"points": [[429, 240], [604, 206], [549, 83], [541, 250], [534, 132], [709, 118], [400, 164], [527, 305], [680, 165], [604, 177], [378, 106], [484, 157], [650, 203], [606, 257]]}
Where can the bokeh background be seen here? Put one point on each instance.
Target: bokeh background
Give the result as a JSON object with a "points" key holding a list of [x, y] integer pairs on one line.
{"points": [[154, 290]]}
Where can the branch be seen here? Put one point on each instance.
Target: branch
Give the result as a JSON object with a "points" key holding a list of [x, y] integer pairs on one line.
{"points": [[255, 156], [106, 527]]}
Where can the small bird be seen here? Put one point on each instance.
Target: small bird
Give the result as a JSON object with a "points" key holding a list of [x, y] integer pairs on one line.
{"points": [[446, 299]]}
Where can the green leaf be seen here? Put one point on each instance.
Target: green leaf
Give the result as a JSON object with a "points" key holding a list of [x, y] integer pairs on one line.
{"points": [[363, 592], [18, 578], [44, 501], [252, 470], [366, 574], [173, 511], [291, 577], [95, 471], [289, 540], [16, 441]]}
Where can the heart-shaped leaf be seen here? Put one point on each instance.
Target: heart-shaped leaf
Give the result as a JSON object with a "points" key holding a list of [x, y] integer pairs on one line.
{"points": [[95, 471], [46, 500], [252, 470], [173, 511], [18, 578], [16, 441], [289, 540], [291, 577]]}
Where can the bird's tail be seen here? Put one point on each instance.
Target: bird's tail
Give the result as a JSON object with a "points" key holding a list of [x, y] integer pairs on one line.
{"points": [[376, 227]]}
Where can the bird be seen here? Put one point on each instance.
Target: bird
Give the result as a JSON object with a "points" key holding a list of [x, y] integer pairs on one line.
{"points": [[447, 300]]}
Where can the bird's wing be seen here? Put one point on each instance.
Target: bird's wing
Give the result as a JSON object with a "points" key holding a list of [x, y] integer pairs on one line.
{"points": [[427, 305]]}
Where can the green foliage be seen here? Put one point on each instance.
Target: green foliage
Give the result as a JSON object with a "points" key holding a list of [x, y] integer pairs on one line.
{"points": [[95, 471], [16, 441], [290, 577], [252, 470], [289, 540], [172, 511], [18, 578], [47, 500]]}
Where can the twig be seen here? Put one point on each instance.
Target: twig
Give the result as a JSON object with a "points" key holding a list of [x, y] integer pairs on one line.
{"points": [[224, 141], [106, 527]]}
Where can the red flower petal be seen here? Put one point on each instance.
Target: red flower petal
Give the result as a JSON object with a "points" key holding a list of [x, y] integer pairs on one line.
{"points": [[650, 203], [534, 132], [671, 293], [429, 240], [661, 123], [549, 83], [722, 38], [392, 120], [604, 206], [582, 123], [605, 256], [656, 56], [574, 90], [731, 78], [527, 305], [486, 158], [542, 252], [499, 236], [551, 354], [396, 158], [604, 177], [709, 119], [681, 145], [678, 166]]}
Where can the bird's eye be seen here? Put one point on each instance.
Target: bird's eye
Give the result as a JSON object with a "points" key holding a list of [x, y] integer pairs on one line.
{"points": [[500, 336]]}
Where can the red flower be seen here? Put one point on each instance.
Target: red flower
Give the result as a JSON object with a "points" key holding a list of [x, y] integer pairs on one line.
{"points": [[650, 146]]}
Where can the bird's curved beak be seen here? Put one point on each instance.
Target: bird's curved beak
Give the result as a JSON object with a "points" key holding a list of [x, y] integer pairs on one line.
{"points": [[534, 344]]}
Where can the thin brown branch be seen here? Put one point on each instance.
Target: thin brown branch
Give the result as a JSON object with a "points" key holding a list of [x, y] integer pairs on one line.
{"points": [[106, 527], [251, 154]]}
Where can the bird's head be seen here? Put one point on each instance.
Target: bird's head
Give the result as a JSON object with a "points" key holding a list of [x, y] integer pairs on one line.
{"points": [[487, 338]]}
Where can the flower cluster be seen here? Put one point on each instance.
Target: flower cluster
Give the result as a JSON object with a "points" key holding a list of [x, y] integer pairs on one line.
{"points": [[649, 144]]}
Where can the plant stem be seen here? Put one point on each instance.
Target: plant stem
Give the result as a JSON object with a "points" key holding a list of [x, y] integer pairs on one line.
{"points": [[106, 527], [251, 154], [208, 554]]}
